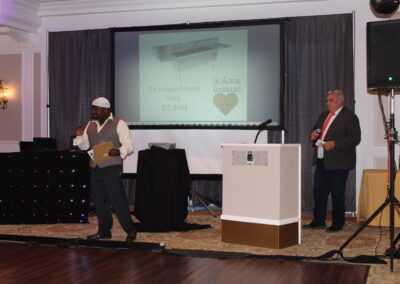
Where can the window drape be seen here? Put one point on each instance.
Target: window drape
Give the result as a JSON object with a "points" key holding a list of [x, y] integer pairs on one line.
{"points": [[319, 57], [79, 71]]}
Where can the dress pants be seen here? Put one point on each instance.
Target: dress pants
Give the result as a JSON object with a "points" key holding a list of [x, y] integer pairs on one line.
{"points": [[107, 190], [325, 182]]}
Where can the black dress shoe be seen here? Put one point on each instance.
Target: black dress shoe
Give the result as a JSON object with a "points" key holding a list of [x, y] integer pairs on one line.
{"points": [[332, 229], [315, 225], [131, 237], [97, 236]]}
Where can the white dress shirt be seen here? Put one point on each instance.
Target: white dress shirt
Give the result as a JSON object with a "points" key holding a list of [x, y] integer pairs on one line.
{"points": [[320, 150]]}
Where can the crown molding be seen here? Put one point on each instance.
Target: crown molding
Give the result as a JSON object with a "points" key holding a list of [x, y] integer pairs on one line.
{"points": [[23, 39], [49, 8], [20, 14]]}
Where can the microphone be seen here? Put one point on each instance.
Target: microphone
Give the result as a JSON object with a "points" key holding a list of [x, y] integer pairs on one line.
{"points": [[318, 131], [261, 127], [265, 123]]}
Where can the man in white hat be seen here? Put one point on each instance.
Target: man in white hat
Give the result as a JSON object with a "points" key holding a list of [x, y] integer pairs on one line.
{"points": [[106, 176]]}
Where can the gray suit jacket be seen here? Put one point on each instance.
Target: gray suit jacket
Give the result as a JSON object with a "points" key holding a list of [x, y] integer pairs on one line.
{"points": [[345, 131]]}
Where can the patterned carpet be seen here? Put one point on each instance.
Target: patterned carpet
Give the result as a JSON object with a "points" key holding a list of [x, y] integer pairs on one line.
{"points": [[372, 241]]}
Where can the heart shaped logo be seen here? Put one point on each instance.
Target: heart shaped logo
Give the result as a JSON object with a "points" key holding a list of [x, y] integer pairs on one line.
{"points": [[225, 103]]}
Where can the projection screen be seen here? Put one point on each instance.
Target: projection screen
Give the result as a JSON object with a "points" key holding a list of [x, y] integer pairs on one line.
{"points": [[208, 82]]}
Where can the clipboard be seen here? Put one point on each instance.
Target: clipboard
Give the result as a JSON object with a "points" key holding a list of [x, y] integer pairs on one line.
{"points": [[100, 152]]}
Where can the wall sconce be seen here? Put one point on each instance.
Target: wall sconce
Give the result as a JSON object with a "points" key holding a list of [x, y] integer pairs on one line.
{"points": [[3, 96]]}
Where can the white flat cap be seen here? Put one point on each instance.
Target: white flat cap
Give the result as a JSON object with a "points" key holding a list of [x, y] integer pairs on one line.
{"points": [[101, 102]]}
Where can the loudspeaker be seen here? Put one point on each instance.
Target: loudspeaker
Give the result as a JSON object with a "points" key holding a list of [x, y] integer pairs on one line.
{"points": [[383, 54], [385, 6]]}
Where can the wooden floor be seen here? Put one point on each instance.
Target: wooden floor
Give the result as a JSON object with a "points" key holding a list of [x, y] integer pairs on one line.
{"points": [[22, 263]]}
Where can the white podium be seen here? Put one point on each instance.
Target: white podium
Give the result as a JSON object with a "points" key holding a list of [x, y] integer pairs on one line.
{"points": [[261, 194]]}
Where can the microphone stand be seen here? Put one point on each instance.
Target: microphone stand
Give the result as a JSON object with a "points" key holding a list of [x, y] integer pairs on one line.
{"points": [[262, 127], [258, 133]]}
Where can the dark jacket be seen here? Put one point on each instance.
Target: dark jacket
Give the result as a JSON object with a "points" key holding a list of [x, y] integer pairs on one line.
{"points": [[345, 131]]}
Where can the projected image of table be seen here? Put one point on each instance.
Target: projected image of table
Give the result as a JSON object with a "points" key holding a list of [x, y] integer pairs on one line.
{"points": [[162, 188]]}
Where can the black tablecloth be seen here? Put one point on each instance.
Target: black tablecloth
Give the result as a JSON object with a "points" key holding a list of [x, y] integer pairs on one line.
{"points": [[162, 188]]}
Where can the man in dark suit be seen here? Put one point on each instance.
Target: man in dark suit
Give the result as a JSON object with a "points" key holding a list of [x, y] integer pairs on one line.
{"points": [[336, 134]]}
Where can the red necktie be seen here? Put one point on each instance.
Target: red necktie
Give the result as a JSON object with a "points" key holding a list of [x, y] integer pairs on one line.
{"points": [[326, 124]]}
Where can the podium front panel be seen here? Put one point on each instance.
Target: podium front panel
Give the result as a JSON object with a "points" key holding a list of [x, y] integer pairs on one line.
{"points": [[261, 185]]}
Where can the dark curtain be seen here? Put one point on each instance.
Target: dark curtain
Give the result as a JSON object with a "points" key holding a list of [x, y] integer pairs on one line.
{"points": [[319, 57], [79, 71]]}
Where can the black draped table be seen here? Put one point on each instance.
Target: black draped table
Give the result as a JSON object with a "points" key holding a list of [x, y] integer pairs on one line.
{"points": [[44, 187], [162, 189]]}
